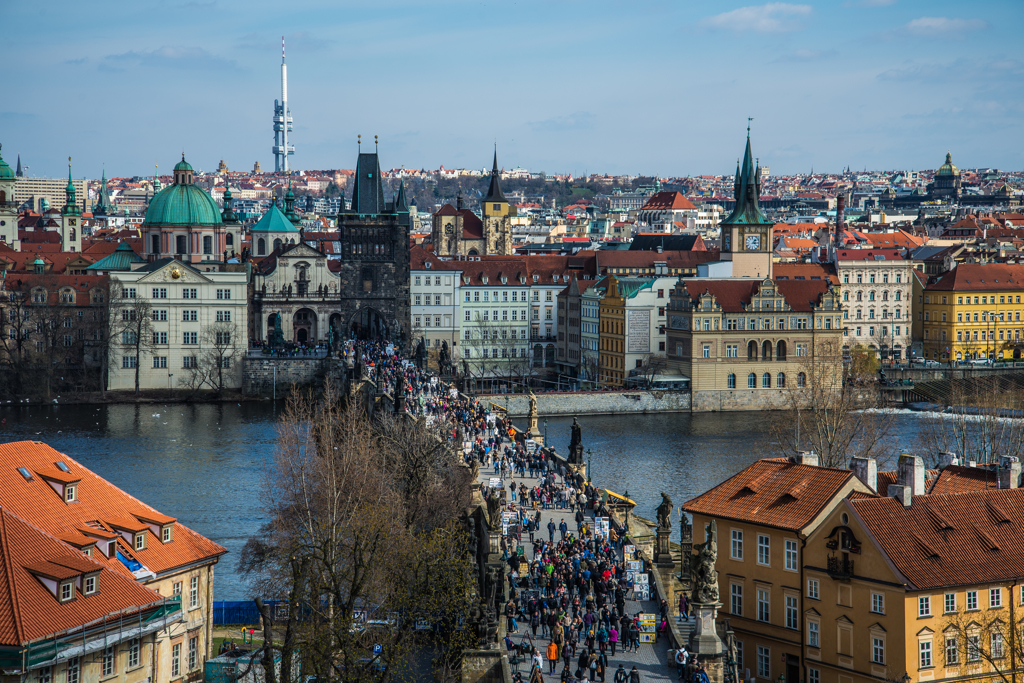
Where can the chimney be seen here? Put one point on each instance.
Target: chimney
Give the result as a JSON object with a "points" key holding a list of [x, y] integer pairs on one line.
{"points": [[910, 474], [902, 494], [866, 469], [946, 459], [805, 458], [1009, 472]]}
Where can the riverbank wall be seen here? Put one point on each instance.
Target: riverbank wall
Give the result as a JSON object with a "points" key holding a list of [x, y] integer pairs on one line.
{"points": [[263, 377], [593, 403]]}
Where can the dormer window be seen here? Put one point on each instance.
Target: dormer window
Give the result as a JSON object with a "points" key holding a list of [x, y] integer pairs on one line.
{"points": [[111, 549], [67, 591], [70, 493], [140, 541], [91, 584], [167, 533]]}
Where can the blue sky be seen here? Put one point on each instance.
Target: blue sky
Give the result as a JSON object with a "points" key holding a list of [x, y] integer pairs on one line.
{"points": [[574, 86]]}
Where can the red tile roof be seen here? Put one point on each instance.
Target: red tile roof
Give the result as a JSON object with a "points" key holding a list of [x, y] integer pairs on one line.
{"points": [[773, 492], [99, 504], [668, 200], [869, 254], [982, 277], [961, 479], [805, 271], [28, 610], [952, 540]]}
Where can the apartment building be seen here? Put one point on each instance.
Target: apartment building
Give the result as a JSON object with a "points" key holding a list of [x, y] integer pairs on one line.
{"points": [[96, 585], [197, 326], [974, 311], [632, 326], [877, 286], [435, 299]]}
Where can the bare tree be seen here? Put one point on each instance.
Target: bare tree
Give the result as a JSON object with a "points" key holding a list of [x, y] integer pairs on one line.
{"points": [[652, 365], [364, 541], [219, 350], [977, 427], [131, 328], [984, 643], [825, 411]]}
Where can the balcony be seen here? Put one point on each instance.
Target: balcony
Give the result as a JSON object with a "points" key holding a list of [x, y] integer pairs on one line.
{"points": [[840, 567]]}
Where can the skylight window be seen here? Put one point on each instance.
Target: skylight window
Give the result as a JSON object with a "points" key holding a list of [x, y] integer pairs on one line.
{"points": [[62, 467], [25, 473]]}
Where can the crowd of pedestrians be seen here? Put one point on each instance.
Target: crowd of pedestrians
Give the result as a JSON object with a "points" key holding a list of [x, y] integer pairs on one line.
{"points": [[571, 590]]}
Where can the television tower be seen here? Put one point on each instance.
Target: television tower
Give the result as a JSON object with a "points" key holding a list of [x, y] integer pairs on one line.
{"points": [[282, 122]]}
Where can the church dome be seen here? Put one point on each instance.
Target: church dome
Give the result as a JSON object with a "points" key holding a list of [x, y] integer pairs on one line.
{"points": [[182, 204], [183, 165], [948, 169], [5, 170]]}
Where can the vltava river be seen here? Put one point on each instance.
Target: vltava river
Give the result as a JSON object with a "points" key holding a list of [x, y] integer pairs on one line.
{"points": [[203, 463]]}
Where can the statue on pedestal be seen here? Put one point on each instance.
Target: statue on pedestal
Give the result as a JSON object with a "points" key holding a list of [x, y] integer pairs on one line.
{"points": [[493, 511], [533, 414], [665, 512], [704, 577], [576, 444], [421, 354], [445, 360]]}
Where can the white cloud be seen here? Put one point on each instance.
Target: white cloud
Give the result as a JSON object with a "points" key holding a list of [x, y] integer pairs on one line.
{"points": [[933, 26], [773, 17]]}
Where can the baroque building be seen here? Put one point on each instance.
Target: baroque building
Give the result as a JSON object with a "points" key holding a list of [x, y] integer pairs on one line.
{"points": [[457, 230]]}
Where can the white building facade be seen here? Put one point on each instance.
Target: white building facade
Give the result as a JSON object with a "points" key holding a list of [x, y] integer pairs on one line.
{"points": [[877, 300]]}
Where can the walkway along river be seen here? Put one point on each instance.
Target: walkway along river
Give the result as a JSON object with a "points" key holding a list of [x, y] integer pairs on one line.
{"points": [[203, 463]]}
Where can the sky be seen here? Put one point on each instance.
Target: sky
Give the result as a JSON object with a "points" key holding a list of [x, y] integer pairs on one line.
{"points": [[562, 86]]}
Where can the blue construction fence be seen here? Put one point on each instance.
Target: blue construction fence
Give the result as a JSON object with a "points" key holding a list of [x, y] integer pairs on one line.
{"points": [[241, 612]]}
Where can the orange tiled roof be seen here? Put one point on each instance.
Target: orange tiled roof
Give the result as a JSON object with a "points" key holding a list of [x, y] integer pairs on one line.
{"points": [[28, 610], [961, 479], [98, 501], [953, 540], [773, 492], [982, 277]]}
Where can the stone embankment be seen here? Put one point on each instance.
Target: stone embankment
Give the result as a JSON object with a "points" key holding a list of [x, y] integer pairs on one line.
{"points": [[594, 402]]}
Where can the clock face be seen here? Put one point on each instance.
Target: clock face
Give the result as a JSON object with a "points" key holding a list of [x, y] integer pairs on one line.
{"points": [[448, 228], [753, 242]]}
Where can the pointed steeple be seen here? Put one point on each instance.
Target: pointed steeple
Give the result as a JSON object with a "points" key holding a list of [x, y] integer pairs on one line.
{"points": [[746, 188], [71, 207], [494, 193], [228, 214], [102, 206], [401, 203], [289, 204], [19, 173]]}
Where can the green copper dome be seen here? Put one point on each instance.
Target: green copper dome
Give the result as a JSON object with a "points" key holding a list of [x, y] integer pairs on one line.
{"points": [[5, 171], [183, 165], [948, 169], [183, 205]]}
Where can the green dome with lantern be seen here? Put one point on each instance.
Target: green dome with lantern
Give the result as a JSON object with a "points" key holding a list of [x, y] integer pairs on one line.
{"points": [[183, 203], [6, 173], [948, 169]]}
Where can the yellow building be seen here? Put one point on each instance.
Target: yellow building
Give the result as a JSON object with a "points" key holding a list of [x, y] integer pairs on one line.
{"points": [[612, 345], [825, 581], [765, 515], [974, 311]]}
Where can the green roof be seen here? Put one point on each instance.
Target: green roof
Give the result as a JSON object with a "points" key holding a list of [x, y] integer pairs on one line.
{"points": [[746, 188], [5, 171], [948, 168], [183, 205], [183, 165], [121, 259], [629, 287], [274, 220]]}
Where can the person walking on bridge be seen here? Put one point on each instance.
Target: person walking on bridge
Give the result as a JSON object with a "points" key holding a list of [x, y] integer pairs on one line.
{"points": [[551, 530], [563, 528]]}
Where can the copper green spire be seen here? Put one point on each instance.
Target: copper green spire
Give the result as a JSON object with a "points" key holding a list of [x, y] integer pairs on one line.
{"points": [[71, 207], [746, 188]]}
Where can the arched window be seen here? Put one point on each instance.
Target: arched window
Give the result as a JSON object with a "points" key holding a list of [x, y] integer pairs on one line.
{"points": [[277, 245], [261, 247], [885, 296], [730, 380], [780, 350], [751, 381], [846, 296], [766, 380], [752, 350], [154, 242], [181, 242], [801, 380], [780, 381], [871, 295], [860, 296], [229, 239], [766, 350]]}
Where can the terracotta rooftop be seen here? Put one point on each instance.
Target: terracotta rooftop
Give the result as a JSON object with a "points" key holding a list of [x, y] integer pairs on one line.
{"points": [[28, 610], [773, 492], [962, 479], [99, 508], [952, 540], [982, 277], [668, 200]]}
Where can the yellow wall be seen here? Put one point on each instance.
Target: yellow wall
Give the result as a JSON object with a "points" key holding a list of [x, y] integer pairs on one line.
{"points": [[612, 344], [950, 327]]}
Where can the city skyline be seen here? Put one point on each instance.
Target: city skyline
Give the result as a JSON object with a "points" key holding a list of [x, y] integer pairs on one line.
{"points": [[645, 89]]}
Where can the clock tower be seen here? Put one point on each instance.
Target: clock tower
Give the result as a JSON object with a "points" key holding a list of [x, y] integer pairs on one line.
{"points": [[746, 233], [71, 218]]}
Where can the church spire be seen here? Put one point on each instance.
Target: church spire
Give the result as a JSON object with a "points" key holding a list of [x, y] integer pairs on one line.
{"points": [[494, 193], [19, 173], [71, 205], [401, 203], [747, 211]]}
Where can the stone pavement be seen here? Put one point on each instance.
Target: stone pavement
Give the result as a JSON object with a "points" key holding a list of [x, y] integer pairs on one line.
{"points": [[651, 660]]}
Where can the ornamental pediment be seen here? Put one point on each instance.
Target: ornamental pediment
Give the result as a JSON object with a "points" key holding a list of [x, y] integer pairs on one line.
{"points": [[174, 272]]}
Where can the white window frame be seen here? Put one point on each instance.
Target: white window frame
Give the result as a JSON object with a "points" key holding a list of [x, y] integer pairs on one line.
{"points": [[736, 599], [764, 662], [924, 654], [764, 550], [193, 592], [971, 603], [813, 634], [878, 603], [949, 603], [134, 653], [736, 547], [924, 606], [995, 597], [813, 589], [764, 605], [877, 649], [792, 612], [791, 556]]}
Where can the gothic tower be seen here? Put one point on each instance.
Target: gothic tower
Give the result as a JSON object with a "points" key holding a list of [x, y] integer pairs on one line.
{"points": [[71, 218], [746, 233], [497, 216]]}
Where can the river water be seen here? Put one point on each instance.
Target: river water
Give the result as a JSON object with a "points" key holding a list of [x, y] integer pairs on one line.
{"points": [[203, 463]]}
